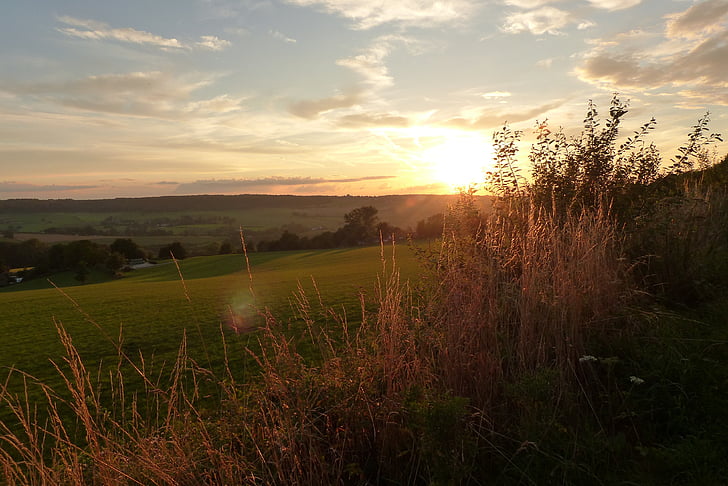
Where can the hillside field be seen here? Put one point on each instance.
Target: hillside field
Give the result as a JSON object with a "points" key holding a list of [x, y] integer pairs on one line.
{"points": [[211, 215], [150, 308]]}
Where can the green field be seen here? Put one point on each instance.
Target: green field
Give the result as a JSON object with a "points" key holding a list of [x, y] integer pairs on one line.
{"points": [[151, 306]]}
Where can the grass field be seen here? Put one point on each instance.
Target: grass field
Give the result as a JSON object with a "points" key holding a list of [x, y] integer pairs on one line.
{"points": [[151, 306]]}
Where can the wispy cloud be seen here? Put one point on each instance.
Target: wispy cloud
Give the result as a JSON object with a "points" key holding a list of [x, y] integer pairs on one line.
{"points": [[496, 94], [544, 20], [212, 43], [95, 30], [282, 37], [701, 18], [530, 3], [370, 62], [373, 120], [585, 24], [690, 61], [154, 94], [614, 4], [265, 184], [311, 109], [14, 187], [371, 13], [217, 105], [489, 119]]}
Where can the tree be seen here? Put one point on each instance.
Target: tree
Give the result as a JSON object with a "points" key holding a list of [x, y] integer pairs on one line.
{"points": [[173, 250], [85, 251], [127, 247], [431, 227], [29, 253], [387, 231], [287, 241], [115, 261], [323, 240], [585, 171], [82, 272], [57, 257], [212, 248], [361, 226], [365, 216], [226, 248]]}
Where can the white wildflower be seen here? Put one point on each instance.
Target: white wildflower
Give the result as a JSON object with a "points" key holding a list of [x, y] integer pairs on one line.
{"points": [[636, 380]]}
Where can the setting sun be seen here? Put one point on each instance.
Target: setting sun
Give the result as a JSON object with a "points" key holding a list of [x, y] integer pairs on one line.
{"points": [[460, 160]]}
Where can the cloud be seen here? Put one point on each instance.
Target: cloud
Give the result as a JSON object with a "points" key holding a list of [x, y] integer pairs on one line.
{"points": [[370, 62], [371, 13], [689, 61], [697, 98], [282, 37], [264, 184], [490, 119], [586, 24], [212, 43], [13, 187], [496, 94], [369, 120], [153, 94], [529, 3], [545, 20], [218, 104], [614, 4], [701, 18], [237, 31], [94, 30], [311, 109], [703, 65]]}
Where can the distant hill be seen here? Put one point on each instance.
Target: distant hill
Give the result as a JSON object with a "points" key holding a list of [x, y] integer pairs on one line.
{"points": [[262, 216], [397, 209]]}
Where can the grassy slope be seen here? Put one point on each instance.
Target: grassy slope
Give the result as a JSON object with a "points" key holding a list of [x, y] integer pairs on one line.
{"points": [[151, 306]]}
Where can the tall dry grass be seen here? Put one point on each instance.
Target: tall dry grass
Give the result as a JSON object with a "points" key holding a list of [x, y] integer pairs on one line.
{"points": [[521, 292], [116, 436]]}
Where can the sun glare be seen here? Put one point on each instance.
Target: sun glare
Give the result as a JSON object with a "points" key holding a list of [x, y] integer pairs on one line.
{"points": [[461, 160]]}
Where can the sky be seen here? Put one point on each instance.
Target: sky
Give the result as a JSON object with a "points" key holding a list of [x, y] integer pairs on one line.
{"points": [[102, 98]]}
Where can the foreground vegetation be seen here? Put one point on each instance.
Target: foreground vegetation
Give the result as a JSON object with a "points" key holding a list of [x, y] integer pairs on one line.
{"points": [[575, 335]]}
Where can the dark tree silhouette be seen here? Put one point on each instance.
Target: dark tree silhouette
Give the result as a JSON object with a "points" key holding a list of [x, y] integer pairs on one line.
{"points": [[174, 249], [127, 247]]}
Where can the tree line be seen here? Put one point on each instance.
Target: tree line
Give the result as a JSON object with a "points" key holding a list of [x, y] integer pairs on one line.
{"points": [[81, 256], [361, 227]]}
